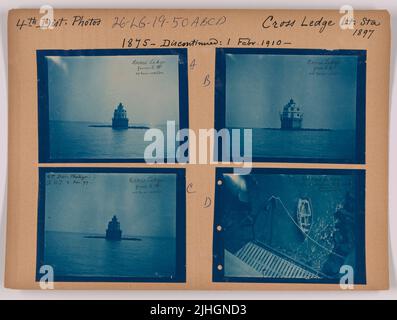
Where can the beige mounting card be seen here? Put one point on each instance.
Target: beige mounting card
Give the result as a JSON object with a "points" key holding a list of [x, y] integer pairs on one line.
{"points": [[65, 65]]}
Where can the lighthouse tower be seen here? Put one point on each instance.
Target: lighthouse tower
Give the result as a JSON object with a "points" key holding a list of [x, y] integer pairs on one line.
{"points": [[291, 117], [120, 120], [113, 232]]}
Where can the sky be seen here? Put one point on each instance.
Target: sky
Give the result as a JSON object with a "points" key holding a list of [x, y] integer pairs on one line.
{"points": [[86, 88], [258, 86], [88, 207]]}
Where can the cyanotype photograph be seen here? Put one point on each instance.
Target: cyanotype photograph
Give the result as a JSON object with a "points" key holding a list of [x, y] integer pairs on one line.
{"points": [[290, 225], [112, 224], [302, 105], [97, 105]]}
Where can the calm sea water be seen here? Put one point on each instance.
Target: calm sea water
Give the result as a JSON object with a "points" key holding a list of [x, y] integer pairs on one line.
{"points": [[71, 140], [334, 144], [70, 254], [74, 140]]}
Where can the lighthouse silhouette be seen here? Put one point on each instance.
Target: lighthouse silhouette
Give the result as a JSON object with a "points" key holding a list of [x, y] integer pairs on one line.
{"points": [[120, 120], [113, 232]]}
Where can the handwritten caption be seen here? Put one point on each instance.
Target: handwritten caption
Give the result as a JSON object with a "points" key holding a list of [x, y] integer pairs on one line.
{"points": [[69, 179], [146, 185], [363, 27]]}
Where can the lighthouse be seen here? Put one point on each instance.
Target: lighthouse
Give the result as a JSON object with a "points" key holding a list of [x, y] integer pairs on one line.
{"points": [[113, 232], [120, 120], [291, 117]]}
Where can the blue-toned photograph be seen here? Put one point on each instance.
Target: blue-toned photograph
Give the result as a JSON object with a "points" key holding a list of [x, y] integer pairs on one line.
{"points": [[290, 225], [96, 105], [302, 105], [112, 224]]}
